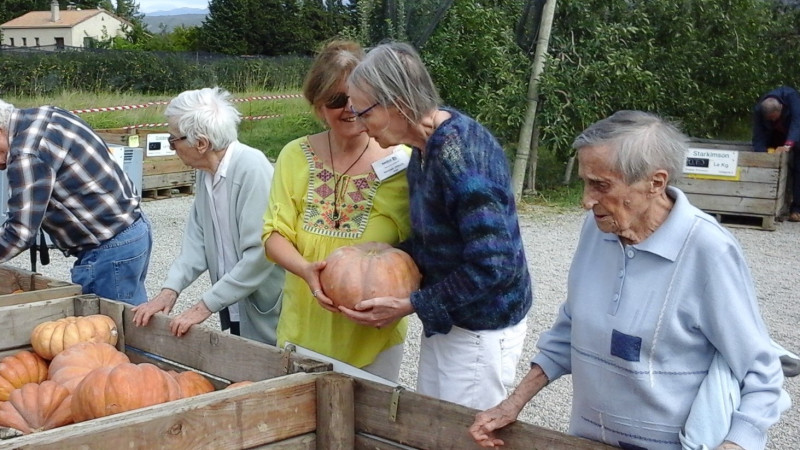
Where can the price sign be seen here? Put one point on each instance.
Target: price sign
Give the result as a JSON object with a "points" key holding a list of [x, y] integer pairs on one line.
{"points": [[706, 161], [158, 145]]}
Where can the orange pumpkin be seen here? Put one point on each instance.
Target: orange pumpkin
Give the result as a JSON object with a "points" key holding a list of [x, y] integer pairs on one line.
{"points": [[125, 387], [20, 369], [37, 407], [50, 338], [69, 367], [371, 269], [192, 383], [239, 384]]}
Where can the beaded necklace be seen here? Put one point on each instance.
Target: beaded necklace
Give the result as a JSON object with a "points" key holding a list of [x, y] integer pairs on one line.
{"points": [[337, 178]]}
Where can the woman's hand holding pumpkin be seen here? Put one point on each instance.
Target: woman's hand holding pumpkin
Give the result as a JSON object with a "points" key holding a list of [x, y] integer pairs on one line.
{"points": [[379, 312], [311, 273]]}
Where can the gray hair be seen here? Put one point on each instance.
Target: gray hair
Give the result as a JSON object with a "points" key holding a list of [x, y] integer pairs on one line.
{"points": [[770, 105], [395, 76], [643, 142], [207, 113], [5, 115]]}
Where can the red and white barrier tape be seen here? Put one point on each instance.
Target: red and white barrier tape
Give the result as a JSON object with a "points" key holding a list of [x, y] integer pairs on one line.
{"points": [[148, 104], [165, 124]]}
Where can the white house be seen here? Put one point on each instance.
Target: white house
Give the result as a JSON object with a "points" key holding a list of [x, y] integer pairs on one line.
{"points": [[55, 28]]}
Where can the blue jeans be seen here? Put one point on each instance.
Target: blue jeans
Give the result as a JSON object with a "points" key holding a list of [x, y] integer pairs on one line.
{"points": [[117, 268]]}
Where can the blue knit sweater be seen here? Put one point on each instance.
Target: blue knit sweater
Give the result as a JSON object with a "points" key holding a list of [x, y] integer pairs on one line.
{"points": [[465, 232]]}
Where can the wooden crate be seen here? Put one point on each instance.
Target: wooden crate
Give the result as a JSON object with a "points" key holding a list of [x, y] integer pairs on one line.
{"points": [[754, 198], [35, 287], [298, 411], [162, 176]]}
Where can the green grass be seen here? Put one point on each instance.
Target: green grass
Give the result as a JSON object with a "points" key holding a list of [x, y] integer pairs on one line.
{"points": [[268, 135]]}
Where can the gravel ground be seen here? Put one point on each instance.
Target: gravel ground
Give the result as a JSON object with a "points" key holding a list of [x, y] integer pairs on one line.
{"points": [[550, 236]]}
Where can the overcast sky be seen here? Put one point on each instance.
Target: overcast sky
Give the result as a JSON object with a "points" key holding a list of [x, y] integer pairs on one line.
{"points": [[149, 6]]}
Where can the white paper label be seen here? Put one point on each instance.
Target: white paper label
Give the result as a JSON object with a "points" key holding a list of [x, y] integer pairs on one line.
{"points": [[390, 165]]}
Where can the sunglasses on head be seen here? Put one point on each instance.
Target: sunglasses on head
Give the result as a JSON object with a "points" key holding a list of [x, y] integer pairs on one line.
{"points": [[337, 100]]}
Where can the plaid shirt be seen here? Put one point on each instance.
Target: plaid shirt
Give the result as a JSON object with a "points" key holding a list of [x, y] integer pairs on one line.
{"points": [[62, 179]]}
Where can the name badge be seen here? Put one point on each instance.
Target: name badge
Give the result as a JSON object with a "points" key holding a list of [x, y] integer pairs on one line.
{"points": [[390, 165]]}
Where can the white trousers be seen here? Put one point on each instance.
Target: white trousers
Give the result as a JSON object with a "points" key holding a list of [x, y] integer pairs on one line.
{"points": [[472, 368]]}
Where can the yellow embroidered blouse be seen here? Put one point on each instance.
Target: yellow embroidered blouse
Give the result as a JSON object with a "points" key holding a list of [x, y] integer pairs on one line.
{"points": [[301, 209]]}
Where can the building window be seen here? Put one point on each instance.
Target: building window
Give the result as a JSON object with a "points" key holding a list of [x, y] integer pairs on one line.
{"points": [[12, 41], [24, 42], [37, 41], [60, 43]]}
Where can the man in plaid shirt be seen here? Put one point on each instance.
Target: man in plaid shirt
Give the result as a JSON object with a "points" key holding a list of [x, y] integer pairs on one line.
{"points": [[64, 181]]}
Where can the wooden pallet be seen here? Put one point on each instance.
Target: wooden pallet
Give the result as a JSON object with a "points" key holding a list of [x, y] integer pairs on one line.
{"points": [[745, 220], [167, 192]]}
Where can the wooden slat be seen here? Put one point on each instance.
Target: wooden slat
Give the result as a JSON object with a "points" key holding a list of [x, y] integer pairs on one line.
{"points": [[37, 287], [163, 165], [748, 174], [167, 180], [335, 412], [424, 422], [18, 321], [366, 442], [245, 417], [765, 160], [735, 205], [226, 356], [305, 442], [728, 188]]}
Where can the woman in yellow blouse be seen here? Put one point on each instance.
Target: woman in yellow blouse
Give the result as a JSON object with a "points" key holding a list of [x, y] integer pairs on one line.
{"points": [[332, 189]]}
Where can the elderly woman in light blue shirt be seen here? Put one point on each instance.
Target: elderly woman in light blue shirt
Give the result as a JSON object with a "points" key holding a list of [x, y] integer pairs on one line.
{"points": [[657, 290]]}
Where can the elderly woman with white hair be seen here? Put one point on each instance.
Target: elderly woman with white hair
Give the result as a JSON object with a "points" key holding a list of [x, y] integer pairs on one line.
{"points": [[476, 289], [660, 329], [223, 230]]}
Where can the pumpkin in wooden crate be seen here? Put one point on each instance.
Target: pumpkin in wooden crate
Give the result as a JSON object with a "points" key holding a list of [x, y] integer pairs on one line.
{"points": [[112, 390], [191, 383], [20, 369], [239, 384], [371, 269], [50, 338], [37, 407], [70, 366]]}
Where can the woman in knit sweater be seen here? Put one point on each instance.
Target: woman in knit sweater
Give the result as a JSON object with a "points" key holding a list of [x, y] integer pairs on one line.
{"points": [[476, 289]]}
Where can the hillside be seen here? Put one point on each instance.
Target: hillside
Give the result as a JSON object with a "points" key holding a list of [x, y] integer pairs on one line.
{"points": [[155, 23]]}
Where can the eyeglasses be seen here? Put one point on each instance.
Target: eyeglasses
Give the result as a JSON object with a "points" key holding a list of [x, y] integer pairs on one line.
{"points": [[172, 140], [337, 100], [359, 114]]}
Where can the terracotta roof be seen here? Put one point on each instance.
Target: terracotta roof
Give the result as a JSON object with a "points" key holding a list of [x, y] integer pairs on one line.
{"points": [[41, 19]]}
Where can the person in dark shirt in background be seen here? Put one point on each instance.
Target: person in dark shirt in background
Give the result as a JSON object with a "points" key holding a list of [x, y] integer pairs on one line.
{"points": [[776, 124]]}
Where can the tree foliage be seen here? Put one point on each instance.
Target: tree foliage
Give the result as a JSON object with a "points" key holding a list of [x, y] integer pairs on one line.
{"points": [[271, 27]]}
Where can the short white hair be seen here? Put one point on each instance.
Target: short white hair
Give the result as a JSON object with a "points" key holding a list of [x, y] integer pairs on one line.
{"points": [[643, 143], [207, 113]]}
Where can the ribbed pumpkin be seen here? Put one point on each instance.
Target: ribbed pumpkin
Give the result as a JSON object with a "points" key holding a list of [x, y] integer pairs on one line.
{"points": [[191, 383], [50, 338], [20, 369], [371, 269], [37, 407], [69, 367], [128, 386], [239, 384]]}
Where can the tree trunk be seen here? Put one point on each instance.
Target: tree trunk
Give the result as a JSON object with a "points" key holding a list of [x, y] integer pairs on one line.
{"points": [[533, 161], [526, 132]]}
